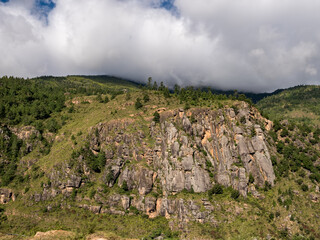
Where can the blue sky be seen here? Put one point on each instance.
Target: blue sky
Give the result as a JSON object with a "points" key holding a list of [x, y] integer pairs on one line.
{"points": [[45, 6], [41, 8], [38, 2]]}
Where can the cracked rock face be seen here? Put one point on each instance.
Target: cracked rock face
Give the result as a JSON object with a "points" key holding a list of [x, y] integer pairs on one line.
{"points": [[217, 146], [188, 151]]}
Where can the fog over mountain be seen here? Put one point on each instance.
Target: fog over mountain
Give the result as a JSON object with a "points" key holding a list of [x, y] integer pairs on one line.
{"points": [[247, 45]]}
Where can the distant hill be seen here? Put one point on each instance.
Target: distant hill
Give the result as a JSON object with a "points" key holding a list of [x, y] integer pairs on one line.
{"points": [[300, 104], [90, 82]]}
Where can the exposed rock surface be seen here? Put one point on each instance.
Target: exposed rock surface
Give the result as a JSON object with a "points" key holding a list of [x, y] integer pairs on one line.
{"points": [[187, 151], [6, 195], [54, 234]]}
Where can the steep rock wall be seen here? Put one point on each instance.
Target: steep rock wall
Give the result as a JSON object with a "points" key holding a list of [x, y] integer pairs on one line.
{"points": [[187, 151]]}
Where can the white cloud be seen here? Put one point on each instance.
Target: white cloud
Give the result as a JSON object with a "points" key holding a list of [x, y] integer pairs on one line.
{"points": [[312, 71], [258, 52], [249, 45]]}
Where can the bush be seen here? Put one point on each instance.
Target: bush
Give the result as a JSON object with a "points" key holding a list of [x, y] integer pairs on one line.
{"points": [[284, 133], [253, 131], [155, 233], [128, 96], [271, 216], [304, 187], [113, 96], [217, 189], [235, 194], [267, 186], [315, 177], [251, 178], [276, 126], [106, 99], [274, 160], [52, 125], [243, 119], [156, 117], [146, 98], [99, 98], [125, 186], [92, 193], [134, 210], [208, 163], [138, 103], [3, 217]]}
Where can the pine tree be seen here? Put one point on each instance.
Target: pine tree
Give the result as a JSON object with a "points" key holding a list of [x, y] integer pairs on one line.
{"points": [[156, 117]]}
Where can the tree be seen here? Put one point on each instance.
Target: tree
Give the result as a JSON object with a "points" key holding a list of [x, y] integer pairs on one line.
{"points": [[113, 96], [161, 86], [138, 103], [128, 96], [149, 82], [125, 186], [155, 86], [217, 189], [235, 194], [156, 117], [177, 89], [304, 188], [166, 92], [106, 99], [146, 98], [2, 111], [101, 160], [52, 125], [99, 98]]}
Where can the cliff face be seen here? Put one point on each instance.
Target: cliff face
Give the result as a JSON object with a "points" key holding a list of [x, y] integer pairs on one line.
{"points": [[214, 147], [188, 151]]}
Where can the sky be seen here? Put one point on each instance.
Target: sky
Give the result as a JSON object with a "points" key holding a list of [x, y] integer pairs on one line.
{"points": [[248, 45]]}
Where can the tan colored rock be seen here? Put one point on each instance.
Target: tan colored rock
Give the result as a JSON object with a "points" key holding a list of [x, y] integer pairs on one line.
{"points": [[54, 234]]}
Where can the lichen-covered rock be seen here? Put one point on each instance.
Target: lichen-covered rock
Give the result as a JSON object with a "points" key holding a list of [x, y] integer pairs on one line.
{"points": [[139, 178], [74, 181], [188, 151]]}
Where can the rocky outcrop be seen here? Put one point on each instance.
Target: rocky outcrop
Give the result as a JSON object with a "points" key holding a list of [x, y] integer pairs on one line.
{"points": [[6, 195], [137, 178], [225, 145], [188, 151], [54, 234]]}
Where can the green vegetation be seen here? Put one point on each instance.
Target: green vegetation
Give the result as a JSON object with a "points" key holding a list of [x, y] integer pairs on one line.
{"points": [[235, 194], [298, 153], [300, 104], [31, 101], [156, 117], [10, 147], [138, 103], [216, 189], [83, 222]]}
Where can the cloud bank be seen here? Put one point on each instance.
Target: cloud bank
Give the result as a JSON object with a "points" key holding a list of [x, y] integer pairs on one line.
{"points": [[247, 45]]}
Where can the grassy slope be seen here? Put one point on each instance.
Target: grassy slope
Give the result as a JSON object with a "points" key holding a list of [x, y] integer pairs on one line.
{"points": [[301, 104]]}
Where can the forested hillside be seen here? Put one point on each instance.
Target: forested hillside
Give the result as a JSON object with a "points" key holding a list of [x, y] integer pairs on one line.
{"points": [[300, 104]]}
